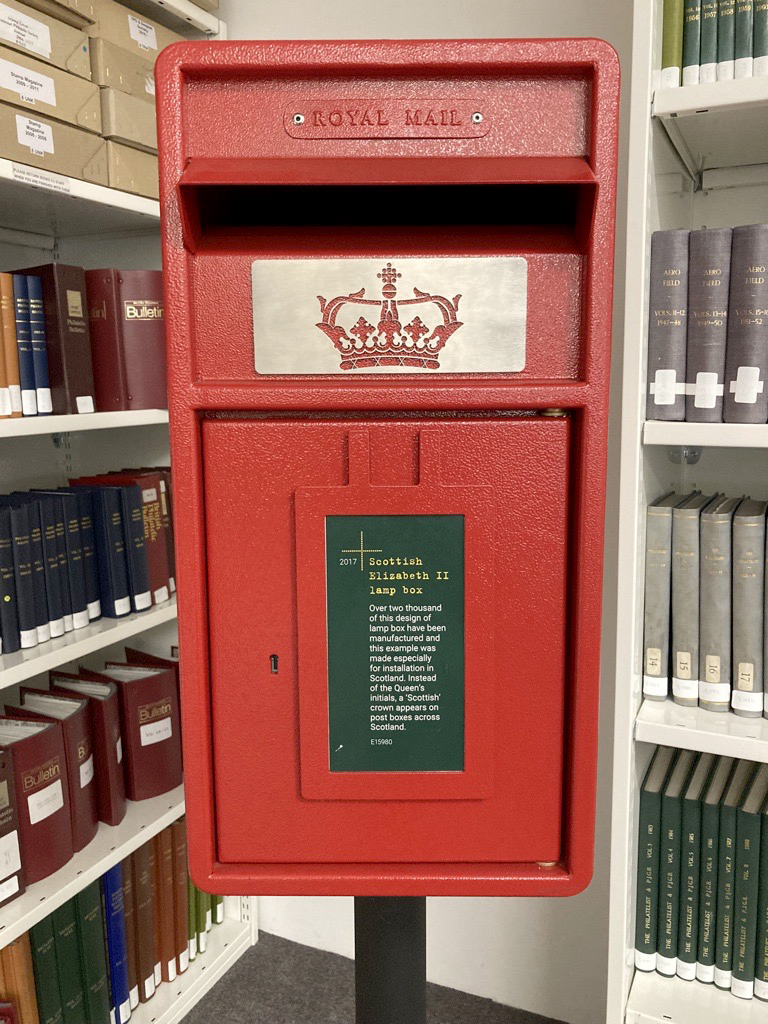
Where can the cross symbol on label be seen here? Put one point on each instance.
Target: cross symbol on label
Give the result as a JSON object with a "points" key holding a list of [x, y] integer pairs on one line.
{"points": [[665, 388], [747, 385]]}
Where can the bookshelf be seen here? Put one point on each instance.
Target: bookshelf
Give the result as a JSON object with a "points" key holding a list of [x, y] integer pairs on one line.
{"points": [[45, 217], [142, 820], [26, 664], [698, 157]]}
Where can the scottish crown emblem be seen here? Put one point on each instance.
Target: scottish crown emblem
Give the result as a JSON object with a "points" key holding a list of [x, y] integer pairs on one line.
{"points": [[387, 341]]}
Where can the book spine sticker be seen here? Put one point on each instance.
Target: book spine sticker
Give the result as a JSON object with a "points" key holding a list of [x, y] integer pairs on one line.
{"points": [[760, 39], [742, 32], [709, 273], [708, 57], [726, 10], [672, 44], [691, 41], [45, 802]]}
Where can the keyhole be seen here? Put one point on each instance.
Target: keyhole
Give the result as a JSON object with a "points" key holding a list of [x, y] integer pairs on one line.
{"points": [[273, 663]]}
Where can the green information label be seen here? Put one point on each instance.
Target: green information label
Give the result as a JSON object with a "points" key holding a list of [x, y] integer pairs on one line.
{"points": [[395, 591]]}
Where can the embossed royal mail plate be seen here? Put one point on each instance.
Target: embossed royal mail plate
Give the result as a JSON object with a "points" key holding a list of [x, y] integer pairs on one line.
{"points": [[348, 316]]}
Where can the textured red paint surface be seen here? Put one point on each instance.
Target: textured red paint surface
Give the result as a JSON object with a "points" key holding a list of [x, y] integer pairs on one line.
{"points": [[242, 445]]}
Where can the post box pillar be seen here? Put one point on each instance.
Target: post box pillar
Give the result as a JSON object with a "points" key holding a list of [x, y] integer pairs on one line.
{"points": [[390, 959]]}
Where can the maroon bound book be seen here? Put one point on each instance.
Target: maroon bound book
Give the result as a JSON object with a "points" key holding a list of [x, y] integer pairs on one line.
{"points": [[42, 794], [104, 709], [154, 531], [149, 718], [11, 868], [127, 322], [166, 503], [72, 712], [136, 657], [67, 337]]}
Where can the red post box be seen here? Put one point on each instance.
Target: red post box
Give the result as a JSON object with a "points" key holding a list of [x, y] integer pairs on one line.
{"points": [[389, 276]]}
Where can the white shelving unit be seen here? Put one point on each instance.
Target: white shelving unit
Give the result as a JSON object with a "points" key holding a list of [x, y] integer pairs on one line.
{"points": [[16, 668], [111, 844], [46, 217], [698, 158], [28, 426]]}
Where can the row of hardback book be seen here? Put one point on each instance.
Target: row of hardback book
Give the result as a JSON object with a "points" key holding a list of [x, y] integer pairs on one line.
{"points": [[72, 754], [103, 546], [708, 325], [713, 41], [110, 947], [704, 620], [702, 871], [81, 341]]}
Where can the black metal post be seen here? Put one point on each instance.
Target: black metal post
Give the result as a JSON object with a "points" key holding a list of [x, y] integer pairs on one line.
{"points": [[391, 960]]}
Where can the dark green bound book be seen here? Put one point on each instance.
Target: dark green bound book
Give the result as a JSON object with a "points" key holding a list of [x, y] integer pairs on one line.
{"points": [[742, 38], [761, 941], [708, 56], [92, 946], [690, 868], [726, 11], [669, 861], [647, 913], [740, 779], [760, 39], [46, 972], [691, 41], [746, 871], [710, 836], [68, 963], [201, 907]]}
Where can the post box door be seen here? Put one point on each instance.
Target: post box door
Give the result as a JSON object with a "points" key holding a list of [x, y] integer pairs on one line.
{"points": [[388, 643]]}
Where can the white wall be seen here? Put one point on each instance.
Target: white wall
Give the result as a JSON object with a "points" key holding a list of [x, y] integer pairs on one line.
{"points": [[546, 956]]}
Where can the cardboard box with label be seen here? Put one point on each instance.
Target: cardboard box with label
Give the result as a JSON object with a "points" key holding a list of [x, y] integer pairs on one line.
{"points": [[43, 37], [46, 91], [122, 70], [132, 170], [128, 119], [125, 28], [49, 144]]}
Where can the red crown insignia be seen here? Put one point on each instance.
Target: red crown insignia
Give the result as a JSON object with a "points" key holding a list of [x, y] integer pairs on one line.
{"points": [[389, 343]]}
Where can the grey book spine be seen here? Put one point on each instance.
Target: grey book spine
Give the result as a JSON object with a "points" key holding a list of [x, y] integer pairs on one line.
{"points": [[667, 325], [715, 613], [658, 582], [709, 271], [685, 606], [746, 363], [748, 591]]}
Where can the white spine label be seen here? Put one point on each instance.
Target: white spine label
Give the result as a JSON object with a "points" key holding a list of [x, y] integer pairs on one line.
{"points": [[653, 687], [156, 732], [742, 700], [10, 858], [9, 887], [686, 689], [21, 30], [86, 772], [84, 403], [37, 136], [44, 403], [712, 668], [142, 33], [715, 693], [119, 749], [45, 802], [122, 605], [161, 595], [761, 989], [149, 494], [27, 84]]}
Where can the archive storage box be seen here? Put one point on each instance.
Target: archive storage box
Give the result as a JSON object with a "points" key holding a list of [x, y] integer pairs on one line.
{"points": [[42, 36], [48, 91], [132, 170], [42, 142], [127, 119], [389, 324]]}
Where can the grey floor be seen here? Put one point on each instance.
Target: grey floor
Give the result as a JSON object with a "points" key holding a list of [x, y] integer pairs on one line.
{"points": [[281, 982]]}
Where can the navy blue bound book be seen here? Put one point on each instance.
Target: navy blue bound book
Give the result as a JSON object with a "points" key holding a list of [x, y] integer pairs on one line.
{"points": [[24, 345], [39, 348], [10, 640], [113, 909]]}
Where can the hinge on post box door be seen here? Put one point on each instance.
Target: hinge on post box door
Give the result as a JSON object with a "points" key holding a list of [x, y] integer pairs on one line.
{"points": [[685, 455], [553, 414]]}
